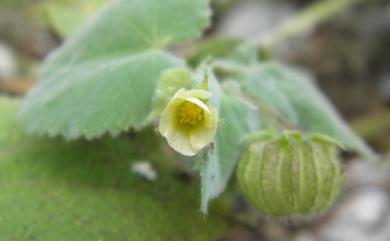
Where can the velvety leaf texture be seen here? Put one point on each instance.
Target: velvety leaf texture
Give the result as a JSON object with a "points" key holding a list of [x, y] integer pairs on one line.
{"points": [[104, 77], [78, 191], [296, 98]]}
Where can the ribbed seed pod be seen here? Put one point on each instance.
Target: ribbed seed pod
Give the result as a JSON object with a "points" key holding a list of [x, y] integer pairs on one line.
{"points": [[291, 176]]}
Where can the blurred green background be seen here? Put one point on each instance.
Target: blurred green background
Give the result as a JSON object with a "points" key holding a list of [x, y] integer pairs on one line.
{"points": [[346, 48]]}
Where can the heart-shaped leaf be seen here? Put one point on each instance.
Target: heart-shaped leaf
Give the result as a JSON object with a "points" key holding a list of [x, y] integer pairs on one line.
{"points": [[104, 77]]}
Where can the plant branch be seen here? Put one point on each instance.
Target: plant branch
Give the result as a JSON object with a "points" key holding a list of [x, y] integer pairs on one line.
{"points": [[304, 22]]}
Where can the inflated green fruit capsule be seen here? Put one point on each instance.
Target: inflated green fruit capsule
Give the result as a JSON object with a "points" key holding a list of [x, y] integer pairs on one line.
{"points": [[291, 176]]}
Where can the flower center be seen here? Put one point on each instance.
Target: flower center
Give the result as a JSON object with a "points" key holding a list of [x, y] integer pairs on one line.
{"points": [[190, 114]]}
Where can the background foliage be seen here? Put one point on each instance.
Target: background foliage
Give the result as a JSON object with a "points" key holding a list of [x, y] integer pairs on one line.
{"points": [[86, 191], [251, 92]]}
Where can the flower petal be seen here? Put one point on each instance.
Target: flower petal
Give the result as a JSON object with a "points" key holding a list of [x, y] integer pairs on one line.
{"points": [[179, 140], [198, 103], [188, 140], [202, 136], [167, 116], [211, 119], [199, 94]]}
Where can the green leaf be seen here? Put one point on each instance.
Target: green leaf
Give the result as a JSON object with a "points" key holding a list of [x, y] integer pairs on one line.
{"points": [[294, 96], [104, 78], [238, 118], [65, 16], [214, 47], [220, 48], [264, 89], [77, 191]]}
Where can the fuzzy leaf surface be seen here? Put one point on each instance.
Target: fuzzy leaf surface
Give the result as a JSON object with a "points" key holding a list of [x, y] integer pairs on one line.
{"points": [[104, 77], [296, 98]]}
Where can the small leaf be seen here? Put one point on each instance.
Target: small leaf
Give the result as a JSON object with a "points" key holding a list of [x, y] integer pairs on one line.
{"points": [[220, 48], [78, 191], [104, 77], [297, 99], [214, 47], [263, 88], [238, 119]]}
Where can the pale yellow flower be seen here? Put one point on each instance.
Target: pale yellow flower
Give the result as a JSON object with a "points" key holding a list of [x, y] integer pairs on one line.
{"points": [[188, 123]]}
